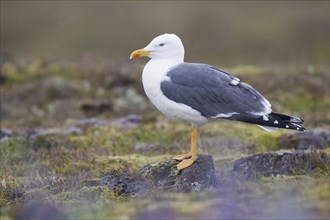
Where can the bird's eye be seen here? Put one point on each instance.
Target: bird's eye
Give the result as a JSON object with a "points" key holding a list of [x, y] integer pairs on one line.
{"points": [[161, 44]]}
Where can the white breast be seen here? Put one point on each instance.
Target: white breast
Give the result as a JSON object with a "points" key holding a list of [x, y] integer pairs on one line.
{"points": [[153, 74]]}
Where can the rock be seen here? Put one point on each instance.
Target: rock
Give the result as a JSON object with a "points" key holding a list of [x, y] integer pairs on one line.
{"points": [[53, 132], [128, 98], [122, 74], [129, 121], [5, 133], [163, 175], [195, 178], [129, 185], [198, 176], [95, 108], [72, 131], [91, 122], [315, 139], [267, 164], [3, 79]]}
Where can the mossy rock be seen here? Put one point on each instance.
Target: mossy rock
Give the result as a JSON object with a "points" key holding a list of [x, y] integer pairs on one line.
{"points": [[272, 164], [315, 139], [162, 175]]}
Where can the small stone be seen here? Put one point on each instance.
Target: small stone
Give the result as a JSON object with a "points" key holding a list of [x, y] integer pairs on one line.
{"points": [[72, 131], [96, 108], [35, 133], [129, 121], [5, 133]]}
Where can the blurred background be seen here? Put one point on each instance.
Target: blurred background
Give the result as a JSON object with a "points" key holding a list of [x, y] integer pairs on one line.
{"points": [[77, 54], [73, 108], [218, 32]]}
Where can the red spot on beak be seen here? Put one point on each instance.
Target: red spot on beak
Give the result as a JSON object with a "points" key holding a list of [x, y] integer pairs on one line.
{"points": [[136, 56]]}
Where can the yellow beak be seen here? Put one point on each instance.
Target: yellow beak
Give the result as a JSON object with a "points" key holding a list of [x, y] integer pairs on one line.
{"points": [[139, 53]]}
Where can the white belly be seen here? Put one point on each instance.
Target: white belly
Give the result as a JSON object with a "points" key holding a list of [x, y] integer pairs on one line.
{"points": [[152, 79]]}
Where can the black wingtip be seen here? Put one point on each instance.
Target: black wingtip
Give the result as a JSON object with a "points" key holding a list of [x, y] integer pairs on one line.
{"points": [[294, 126], [286, 118], [296, 120], [274, 120]]}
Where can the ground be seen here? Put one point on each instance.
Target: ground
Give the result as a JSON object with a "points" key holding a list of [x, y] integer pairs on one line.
{"points": [[79, 139]]}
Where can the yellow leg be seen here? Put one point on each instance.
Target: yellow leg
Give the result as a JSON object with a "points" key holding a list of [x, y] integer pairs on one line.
{"points": [[193, 152]]}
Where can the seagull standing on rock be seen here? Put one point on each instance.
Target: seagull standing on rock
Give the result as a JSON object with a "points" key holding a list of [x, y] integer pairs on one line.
{"points": [[198, 93]]}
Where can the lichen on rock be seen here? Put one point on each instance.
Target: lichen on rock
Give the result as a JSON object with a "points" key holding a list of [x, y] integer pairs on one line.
{"points": [[287, 163], [162, 175], [315, 139]]}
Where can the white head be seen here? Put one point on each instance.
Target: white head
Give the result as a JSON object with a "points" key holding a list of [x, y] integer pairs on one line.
{"points": [[164, 46]]}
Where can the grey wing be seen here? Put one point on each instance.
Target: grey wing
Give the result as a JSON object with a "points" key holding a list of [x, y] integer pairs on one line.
{"points": [[212, 92]]}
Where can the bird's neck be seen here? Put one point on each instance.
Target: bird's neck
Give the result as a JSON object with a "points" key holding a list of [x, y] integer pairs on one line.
{"points": [[165, 64], [156, 69]]}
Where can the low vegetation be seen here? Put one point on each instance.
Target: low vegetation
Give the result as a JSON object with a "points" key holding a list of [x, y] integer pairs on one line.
{"points": [[63, 123]]}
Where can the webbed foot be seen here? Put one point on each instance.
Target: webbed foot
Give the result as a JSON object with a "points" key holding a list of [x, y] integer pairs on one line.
{"points": [[186, 163], [182, 156]]}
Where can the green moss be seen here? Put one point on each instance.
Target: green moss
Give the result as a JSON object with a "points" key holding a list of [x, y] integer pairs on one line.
{"points": [[267, 142], [126, 162], [36, 193], [318, 196], [224, 163], [104, 165], [80, 142], [305, 102], [46, 141], [327, 151], [15, 156], [115, 141], [72, 168], [8, 185], [260, 140], [37, 69], [165, 133], [65, 154], [66, 197], [97, 194], [13, 148]]}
